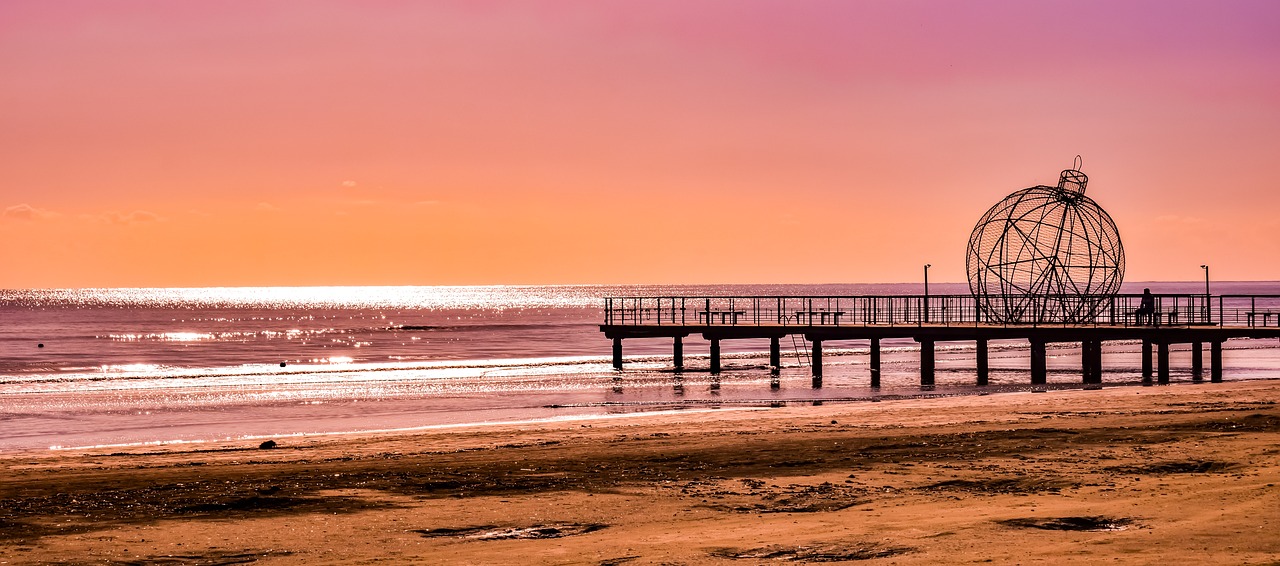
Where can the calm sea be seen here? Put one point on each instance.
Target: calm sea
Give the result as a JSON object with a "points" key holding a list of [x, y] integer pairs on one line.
{"points": [[96, 367]]}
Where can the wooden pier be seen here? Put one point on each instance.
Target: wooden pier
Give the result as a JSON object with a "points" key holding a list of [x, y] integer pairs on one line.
{"points": [[1194, 319]]}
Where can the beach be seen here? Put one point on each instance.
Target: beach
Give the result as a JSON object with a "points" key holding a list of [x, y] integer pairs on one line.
{"points": [[1120, 474]]}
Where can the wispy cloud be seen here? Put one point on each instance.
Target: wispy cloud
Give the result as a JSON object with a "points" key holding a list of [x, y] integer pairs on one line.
{"points": [[135, 217], [28, 213]]}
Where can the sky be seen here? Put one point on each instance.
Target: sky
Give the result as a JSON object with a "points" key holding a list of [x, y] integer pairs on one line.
{"points": [[157, 143]]}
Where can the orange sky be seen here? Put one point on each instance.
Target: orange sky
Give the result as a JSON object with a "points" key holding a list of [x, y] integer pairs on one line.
{"points": [[322, 143]]}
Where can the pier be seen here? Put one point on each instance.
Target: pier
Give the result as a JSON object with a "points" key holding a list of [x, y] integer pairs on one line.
{"points": [[1091, 321]]}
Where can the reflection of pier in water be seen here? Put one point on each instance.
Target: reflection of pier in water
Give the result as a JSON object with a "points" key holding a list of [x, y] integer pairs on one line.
{"points": [[1178, 319]]}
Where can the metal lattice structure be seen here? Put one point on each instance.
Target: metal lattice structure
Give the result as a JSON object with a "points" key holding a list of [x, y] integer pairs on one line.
{"points": [[1045, 254]]}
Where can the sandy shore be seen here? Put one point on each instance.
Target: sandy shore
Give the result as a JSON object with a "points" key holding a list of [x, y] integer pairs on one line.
{"points": [[1131, 475]]}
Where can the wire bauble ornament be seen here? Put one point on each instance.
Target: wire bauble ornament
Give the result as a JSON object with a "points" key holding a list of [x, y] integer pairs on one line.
{"points": [[1045, 254]]}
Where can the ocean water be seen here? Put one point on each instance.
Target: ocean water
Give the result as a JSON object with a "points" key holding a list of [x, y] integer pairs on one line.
{"points": [[104, 367]]}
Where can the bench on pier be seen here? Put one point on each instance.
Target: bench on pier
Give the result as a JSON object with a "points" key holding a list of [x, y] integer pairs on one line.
{"points": [[1153, 319], [821, 315], [1251, 317], [726, 317]]}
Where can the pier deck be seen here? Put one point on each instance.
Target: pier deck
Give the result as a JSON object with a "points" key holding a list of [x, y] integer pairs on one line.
{"points": [[1178, 319]]}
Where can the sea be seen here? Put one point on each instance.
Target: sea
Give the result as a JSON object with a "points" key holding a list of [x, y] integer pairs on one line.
{"points": [[138, 367]]}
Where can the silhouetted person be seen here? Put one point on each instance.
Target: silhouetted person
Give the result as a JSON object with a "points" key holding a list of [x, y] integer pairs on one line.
{"points": [[1147, 309]]}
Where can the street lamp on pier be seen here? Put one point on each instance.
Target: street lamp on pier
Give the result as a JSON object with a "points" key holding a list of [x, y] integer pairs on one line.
{"points": [[1206, 291], [926, 292]]}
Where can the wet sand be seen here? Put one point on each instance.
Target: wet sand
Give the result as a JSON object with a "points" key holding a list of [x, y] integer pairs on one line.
{"points": [[1123, 474]]}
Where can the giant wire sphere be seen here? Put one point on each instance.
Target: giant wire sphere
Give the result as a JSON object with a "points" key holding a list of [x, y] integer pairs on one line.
{"points": [[1045, 254]]}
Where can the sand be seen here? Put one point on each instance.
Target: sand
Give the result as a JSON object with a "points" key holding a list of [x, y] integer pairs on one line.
{"points": [[1133, 475]]}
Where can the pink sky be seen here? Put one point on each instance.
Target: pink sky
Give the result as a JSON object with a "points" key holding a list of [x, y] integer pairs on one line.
{"points": [[316, 143]]}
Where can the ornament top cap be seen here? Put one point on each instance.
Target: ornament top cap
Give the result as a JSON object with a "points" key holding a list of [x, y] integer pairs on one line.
{"points": [[1072, 181]]}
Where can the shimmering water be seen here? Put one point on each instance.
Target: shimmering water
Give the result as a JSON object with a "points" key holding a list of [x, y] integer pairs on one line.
{"points": [[124, 366]]}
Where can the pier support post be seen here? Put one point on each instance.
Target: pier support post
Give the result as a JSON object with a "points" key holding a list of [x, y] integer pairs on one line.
{"points": [[926, 362], [1146, 361], [1215, 361], [875, 362], [1162, 363], [1197, 361], [1091, 360], [617, 353], [983, 370], [817, 359], [715, 355], [677, 353], [1039, 366], [775, 354], [1096, 363]]}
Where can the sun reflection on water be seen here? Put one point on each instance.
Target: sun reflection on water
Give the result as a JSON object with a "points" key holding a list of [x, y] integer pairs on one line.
{"points": [[499, 297]]}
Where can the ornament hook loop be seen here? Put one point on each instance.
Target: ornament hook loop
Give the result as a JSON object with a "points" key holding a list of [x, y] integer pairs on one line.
{"points": [[1072, 181]]}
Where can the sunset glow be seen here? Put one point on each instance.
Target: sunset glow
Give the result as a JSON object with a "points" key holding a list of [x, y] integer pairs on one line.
{"points": [[437, 143]]}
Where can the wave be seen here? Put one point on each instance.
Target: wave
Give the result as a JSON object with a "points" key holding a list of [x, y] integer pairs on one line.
{"points": [[345, 366]]}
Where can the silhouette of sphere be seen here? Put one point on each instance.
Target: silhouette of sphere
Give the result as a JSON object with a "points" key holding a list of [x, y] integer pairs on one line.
{"points": [[1045, 254]]}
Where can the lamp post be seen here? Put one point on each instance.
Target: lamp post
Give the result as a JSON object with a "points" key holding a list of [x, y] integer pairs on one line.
{"points": [[1206, 291], [926, 292]]}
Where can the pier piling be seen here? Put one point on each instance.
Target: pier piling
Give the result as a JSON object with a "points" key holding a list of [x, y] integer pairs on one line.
{"points": [[1091, 361], [1039, 367], [775, 354], [1096, 363], [715, 355], [1087, 360], [617, 353], [817, 360], [874, 362], [677, 352], [1215, 362], [983, 370], [926, 362]]}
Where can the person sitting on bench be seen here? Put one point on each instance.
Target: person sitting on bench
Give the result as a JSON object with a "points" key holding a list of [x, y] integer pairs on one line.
{"points": [[1146, 310]]}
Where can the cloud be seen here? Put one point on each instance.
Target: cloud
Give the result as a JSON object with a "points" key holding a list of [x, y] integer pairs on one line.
{"points": [[266, 207], [348, 183], [426, 203], [29, 213], [135, 217]]}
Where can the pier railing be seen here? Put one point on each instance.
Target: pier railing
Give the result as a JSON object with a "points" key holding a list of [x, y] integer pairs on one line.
{"points": [[947, 310]]}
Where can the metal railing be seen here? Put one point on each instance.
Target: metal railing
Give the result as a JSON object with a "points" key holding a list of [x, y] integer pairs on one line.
{"points": [[1184, 309], [1248, 310]]}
